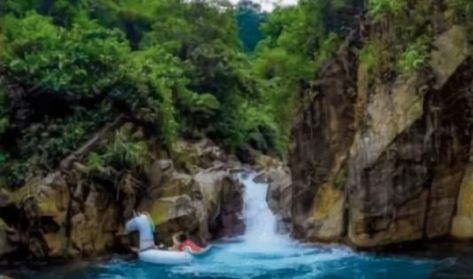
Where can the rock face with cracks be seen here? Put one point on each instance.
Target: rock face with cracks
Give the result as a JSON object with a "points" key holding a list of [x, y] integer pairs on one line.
{"points": [[386, 163]]}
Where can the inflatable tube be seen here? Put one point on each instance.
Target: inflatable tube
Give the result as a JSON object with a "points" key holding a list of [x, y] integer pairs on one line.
{"points": [[167, 257], [157, 256], [201, 253]]}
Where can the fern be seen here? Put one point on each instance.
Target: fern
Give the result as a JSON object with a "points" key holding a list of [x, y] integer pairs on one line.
{"points": [[124, 152], [414, 57], [95, 162]]}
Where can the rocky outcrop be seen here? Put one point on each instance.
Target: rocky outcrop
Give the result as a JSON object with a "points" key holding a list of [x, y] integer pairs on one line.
{"points": [[450, 51], [321, 136], [375, 164], [202, 154], [93, 229], [207, 205], [74, 213], [462, 224], [53, 224], [222, 197]]}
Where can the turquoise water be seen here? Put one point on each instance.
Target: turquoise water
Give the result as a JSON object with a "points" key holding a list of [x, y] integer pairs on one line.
{"points": [[264, 253], [235, 261]]}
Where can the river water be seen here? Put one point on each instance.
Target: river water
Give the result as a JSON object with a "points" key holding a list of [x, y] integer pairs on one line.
{"points": [[262, 253]]}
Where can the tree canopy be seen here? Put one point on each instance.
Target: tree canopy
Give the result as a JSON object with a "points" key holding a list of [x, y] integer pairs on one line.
{"points": [[69, 67], [179, 69]]}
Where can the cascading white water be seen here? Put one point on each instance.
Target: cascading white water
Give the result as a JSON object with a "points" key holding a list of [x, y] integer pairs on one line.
{"points": [[261, 234], [261, 223], [261, 249]]}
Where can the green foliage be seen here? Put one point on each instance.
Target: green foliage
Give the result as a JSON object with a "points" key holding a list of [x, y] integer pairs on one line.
{"points": [[151, 74], [369, 55], [249, 123], [3, 156], [44, 144], [375, 56], [14, 172], [414, 57], [95, 162], [298, 42], [461, 12], [327, 49], [173, 67], [277, 62], [78, 61], [181, 26], [53, 139], [125, 152], [259, 128], [378, 9], [401, 44], [62, 12]]}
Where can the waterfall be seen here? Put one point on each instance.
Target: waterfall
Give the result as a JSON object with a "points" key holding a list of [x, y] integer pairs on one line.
{"points": [[262, 252], [260, 222]]}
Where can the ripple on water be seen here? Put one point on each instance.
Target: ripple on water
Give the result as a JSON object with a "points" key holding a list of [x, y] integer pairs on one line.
{"points": [[305, 263]]}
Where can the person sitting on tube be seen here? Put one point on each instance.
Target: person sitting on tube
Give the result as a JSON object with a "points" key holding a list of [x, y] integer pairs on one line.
{"points": [[181, 242]]}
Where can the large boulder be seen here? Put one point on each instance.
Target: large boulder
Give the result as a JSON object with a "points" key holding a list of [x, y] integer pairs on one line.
{"points": [[177, 213], [194, 156], [44, 204], [223, 200], [207, 205], [265, 162], [92, 230], [165, 181], [62, 220]]}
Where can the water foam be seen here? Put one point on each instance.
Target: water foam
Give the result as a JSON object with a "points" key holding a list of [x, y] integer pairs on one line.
{"points": [[261, 224], [262, 249]]}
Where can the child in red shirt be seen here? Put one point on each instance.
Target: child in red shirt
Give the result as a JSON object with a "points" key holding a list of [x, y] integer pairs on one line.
{"points": [[182, 242]]}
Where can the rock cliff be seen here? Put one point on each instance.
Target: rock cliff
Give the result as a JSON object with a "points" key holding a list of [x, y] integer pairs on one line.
{"points": [[376, 163]]}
